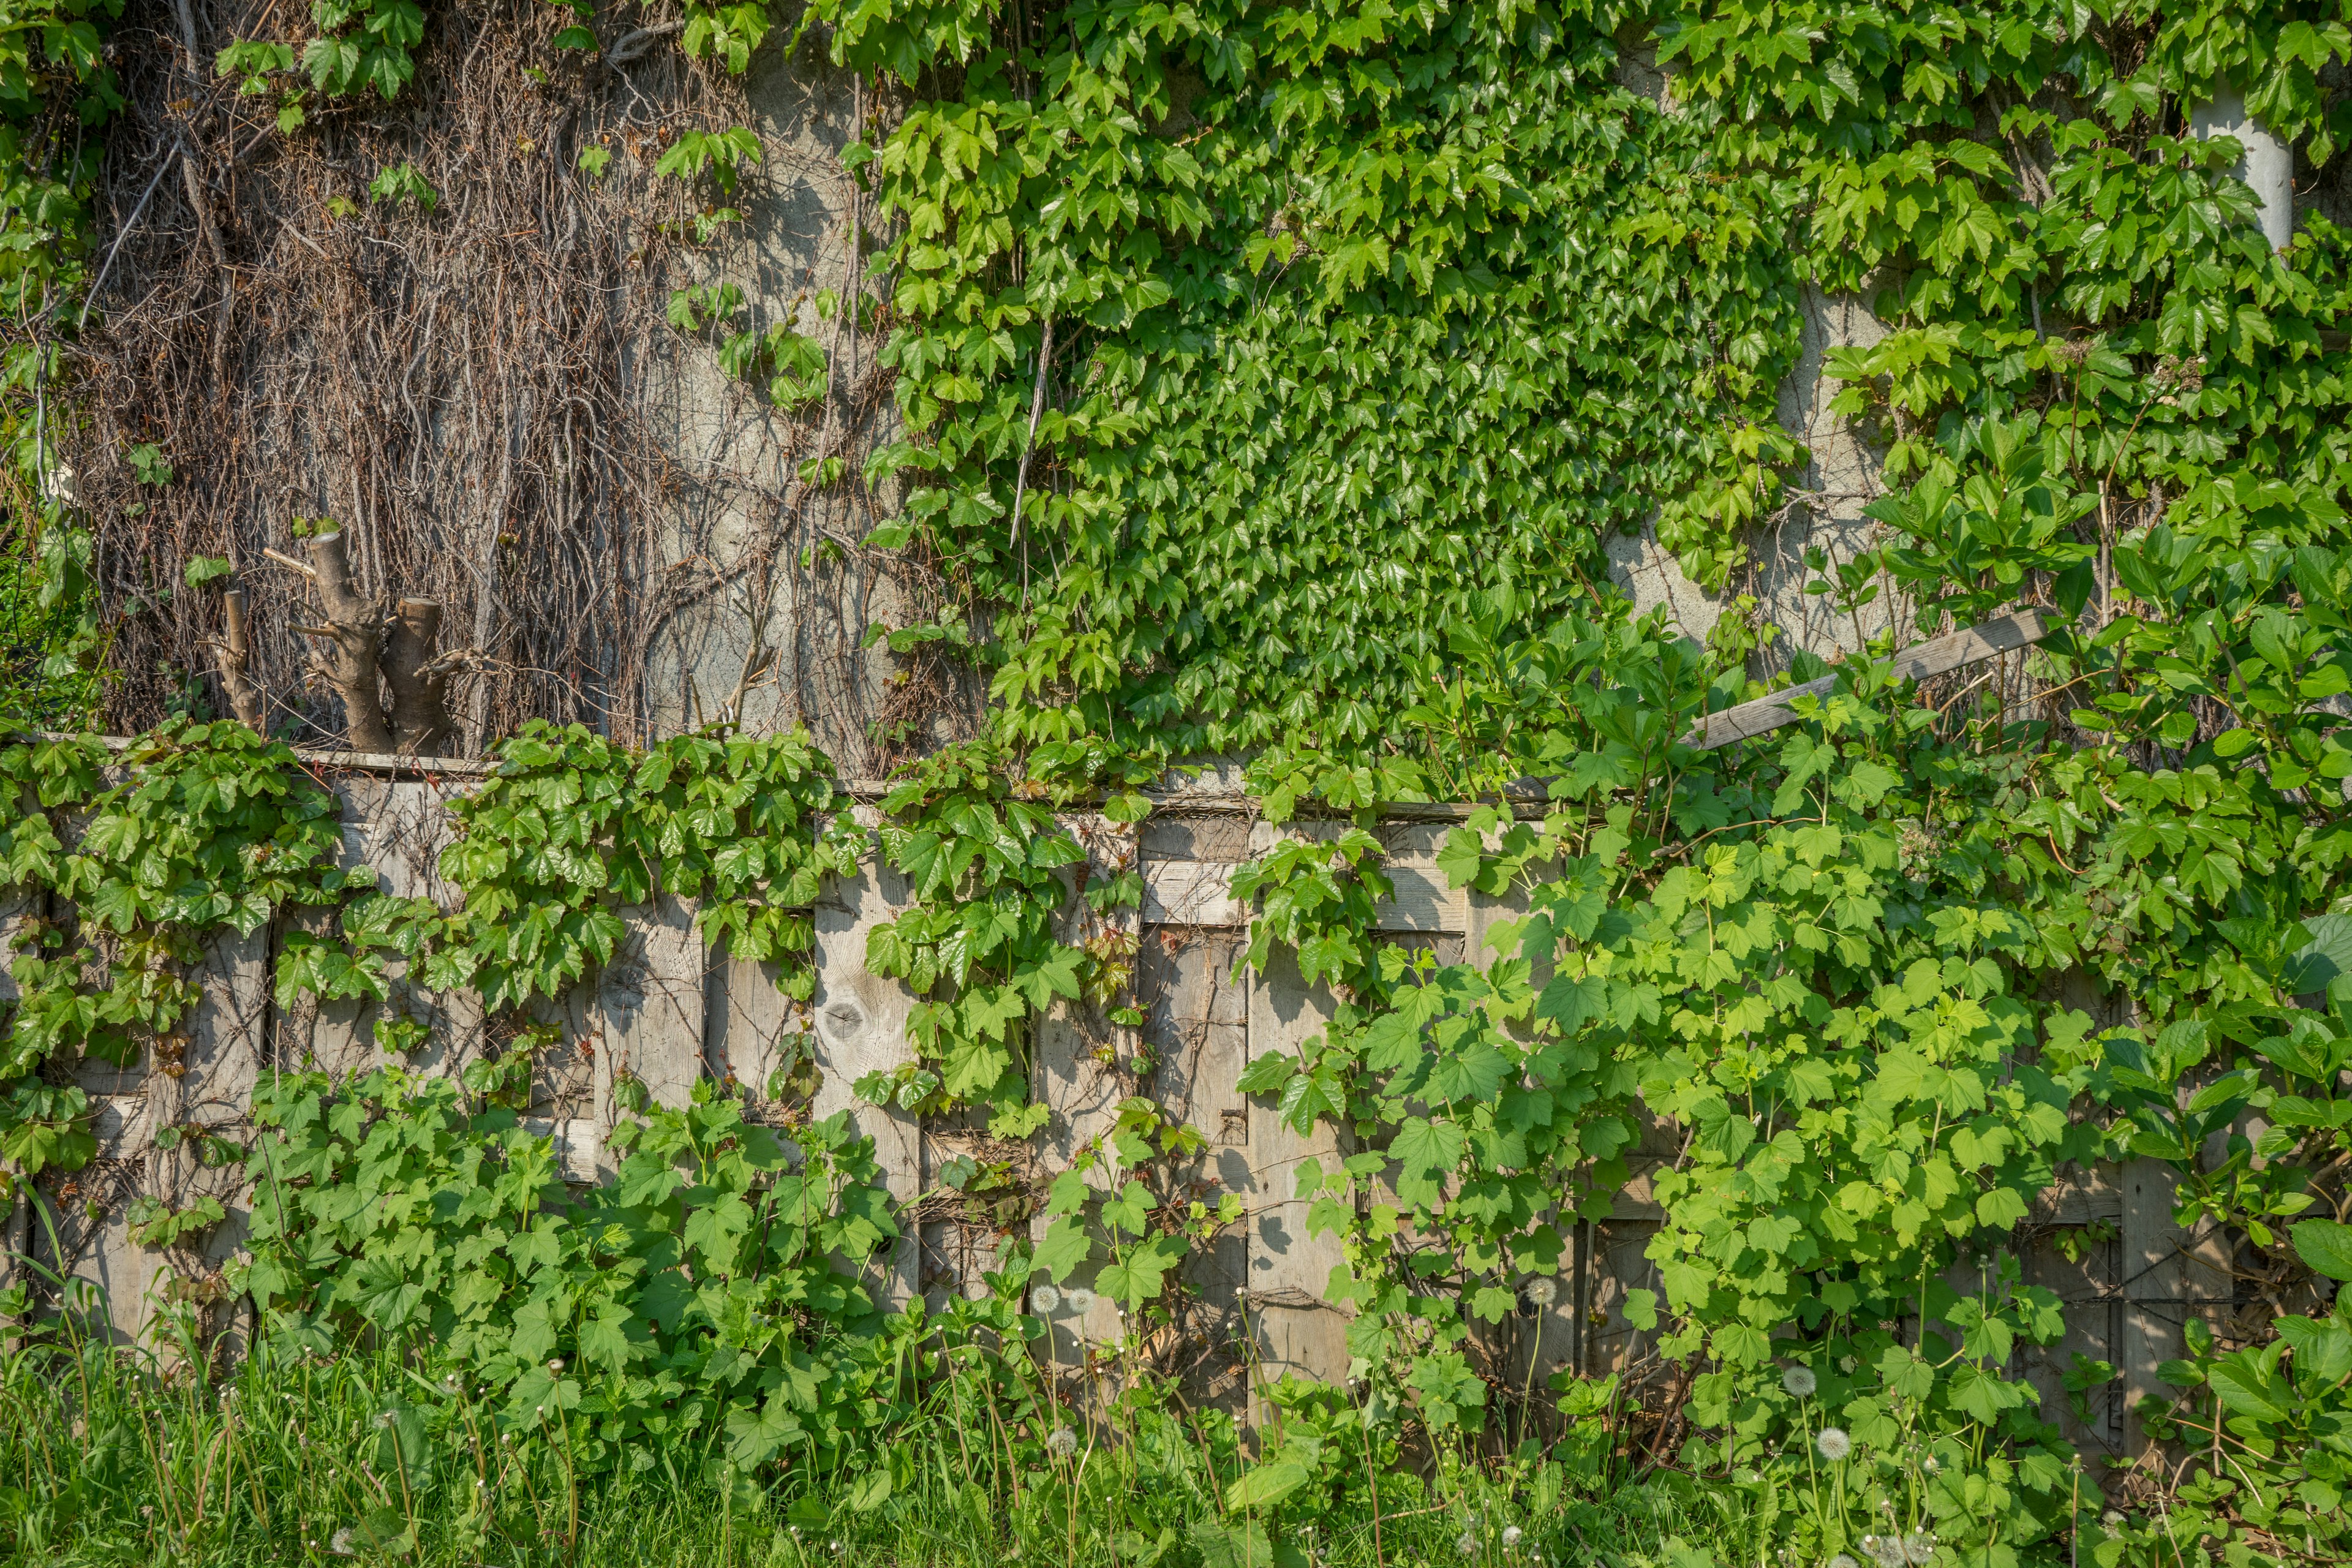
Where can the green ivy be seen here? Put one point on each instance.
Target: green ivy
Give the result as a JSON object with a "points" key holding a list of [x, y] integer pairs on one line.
{"points": [[214, 827], [572, 828], [991, 871]]}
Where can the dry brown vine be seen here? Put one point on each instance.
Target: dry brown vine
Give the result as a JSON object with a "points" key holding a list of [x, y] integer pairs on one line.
{"points": [[484, 395]]}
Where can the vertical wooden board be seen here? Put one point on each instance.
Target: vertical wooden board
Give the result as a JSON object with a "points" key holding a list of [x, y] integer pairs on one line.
{"points": [[961, 1242], [1082, 1095], [398, 829], [225, 1063], [2169, 1274], [16, 1216], [102, 1279], [78, 1235], [16, 907], [1296, 1330], [2085, 1288], [15, 1258], [1196, 1025], [649, 1006], [1551, 1335], [861, 1027], [567, 1079], [751, 1027], [1620, 1264], [1078, 1075], [1196, 1029], [1425, 899]]}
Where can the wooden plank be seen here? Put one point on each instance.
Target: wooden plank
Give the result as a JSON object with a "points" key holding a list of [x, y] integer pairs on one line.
{"points": [[1620, 1264], [1221, 837], [2087, 1290], [566, 1079], [959, 1247], [1425, 900], [753, 1029], [1938, 656], [1188, 893], [1196, 1029], [2170, 1273], [649, 1006], [1295, 1328], [2080, 1198], [203, 1082], [1197, 893], [578, 1146], [398, 830], [16, 1224], [1083, 1098], [861, 1027], [1080, 1091]]}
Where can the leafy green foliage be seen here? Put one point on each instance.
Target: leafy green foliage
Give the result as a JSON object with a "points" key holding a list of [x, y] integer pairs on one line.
{"points": [[1352, 334], [212, 827], [689, 1300], [573, 828], [1357, 317], [397, 183]]}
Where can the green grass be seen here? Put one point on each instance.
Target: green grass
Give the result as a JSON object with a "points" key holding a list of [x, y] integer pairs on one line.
{"points": [[109, 1457]]}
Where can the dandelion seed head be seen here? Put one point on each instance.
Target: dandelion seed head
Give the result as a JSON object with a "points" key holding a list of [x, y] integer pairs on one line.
{"points": [[1543, 1292], [1080, 1300], [1919, 1547], [1045, 1298], [383, 1419], [1843, 1560], [1467, 1544], [1511, 1533], [341, 1545], [1834, 1443], [1062, 1442], [1799, 1381]]}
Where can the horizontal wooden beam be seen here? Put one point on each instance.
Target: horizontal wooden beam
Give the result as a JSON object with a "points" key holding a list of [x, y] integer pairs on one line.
{"points": [[1938, 656]]}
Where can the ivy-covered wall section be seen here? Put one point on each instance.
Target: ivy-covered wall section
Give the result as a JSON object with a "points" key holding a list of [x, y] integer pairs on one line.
{"points": [[1271, 382]]}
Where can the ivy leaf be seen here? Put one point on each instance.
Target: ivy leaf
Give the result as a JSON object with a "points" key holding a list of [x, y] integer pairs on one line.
{"points": [[1136, 1276], [1309, 1097], [1267, 1074], [1472, 1076]]}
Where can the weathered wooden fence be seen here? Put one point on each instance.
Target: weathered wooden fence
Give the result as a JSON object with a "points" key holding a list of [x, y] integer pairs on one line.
{"points": [[669, 1010]]}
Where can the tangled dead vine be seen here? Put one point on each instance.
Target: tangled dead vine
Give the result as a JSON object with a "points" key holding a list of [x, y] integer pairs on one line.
{"points": [[482, 387]]}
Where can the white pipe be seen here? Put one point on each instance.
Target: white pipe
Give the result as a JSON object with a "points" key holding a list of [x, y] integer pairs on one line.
{"points": [[2268, 166]]}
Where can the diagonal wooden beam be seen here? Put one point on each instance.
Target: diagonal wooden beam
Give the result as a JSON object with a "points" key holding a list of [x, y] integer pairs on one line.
{"points": [[2004, 634]]}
